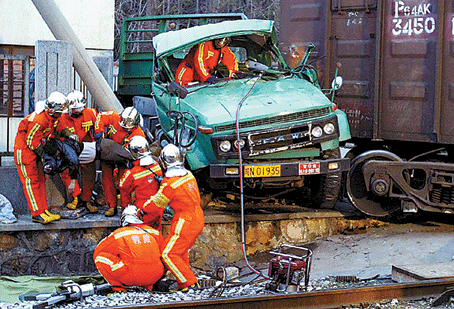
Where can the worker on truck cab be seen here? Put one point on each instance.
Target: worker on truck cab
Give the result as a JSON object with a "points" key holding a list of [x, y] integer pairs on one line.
{"points": [[201, 61]]}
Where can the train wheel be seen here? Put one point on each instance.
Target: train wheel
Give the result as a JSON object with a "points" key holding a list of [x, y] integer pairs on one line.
{"points": [[366, 201]]}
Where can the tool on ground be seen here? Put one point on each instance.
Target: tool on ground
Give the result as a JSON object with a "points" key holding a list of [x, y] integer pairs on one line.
{"points": [[289, 268], [70, 291]]}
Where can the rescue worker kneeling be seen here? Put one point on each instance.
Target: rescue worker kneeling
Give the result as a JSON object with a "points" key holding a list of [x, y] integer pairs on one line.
{"points": [[131, 255]]}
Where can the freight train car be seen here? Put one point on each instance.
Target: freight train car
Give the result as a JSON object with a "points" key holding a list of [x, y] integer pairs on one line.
{"points": [[398, 92]]}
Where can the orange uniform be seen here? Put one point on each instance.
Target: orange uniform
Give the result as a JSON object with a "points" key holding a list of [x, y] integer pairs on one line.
{"points": [[32, 130], [109, 123], [182, 195], [130, 256], [141, 180], [84, 127], [201, 60]]}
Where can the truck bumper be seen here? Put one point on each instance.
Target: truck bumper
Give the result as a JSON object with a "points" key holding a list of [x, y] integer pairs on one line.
{"points": [[281, 169]]}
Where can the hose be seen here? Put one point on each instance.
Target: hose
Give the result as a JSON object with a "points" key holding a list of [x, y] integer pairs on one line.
{"points": [[240, 164]]}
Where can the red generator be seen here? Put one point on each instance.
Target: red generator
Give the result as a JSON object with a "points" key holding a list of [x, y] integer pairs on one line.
{"points": [[289, 269]]}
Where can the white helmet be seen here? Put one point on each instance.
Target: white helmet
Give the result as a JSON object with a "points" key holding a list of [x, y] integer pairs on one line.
{"points": [[77, 102], [172, 160], [56, 103], [130, 118], [139, 147], [130, 215]]}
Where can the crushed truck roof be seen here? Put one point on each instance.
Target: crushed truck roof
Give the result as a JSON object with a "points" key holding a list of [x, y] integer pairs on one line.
{"points": [[169, 42]]}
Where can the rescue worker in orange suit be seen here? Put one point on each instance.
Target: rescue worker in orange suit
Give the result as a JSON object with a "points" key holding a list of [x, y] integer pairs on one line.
{"points": [[28, 148], [199, 64], [79, 124], [120, 128], [179, 190], [130, 256], [142, 180]]}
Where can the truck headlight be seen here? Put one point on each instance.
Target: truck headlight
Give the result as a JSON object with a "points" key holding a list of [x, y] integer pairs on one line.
{"points": [[225, 146], [317, 131], [242, 142], [329, 128]]}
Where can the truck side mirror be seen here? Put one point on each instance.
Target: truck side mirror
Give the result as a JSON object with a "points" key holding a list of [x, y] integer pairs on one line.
{"points": [[178, 90], [337, 83]]}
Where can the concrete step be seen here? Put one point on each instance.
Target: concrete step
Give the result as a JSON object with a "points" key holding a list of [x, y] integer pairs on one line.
{"points": [[414, 273]]}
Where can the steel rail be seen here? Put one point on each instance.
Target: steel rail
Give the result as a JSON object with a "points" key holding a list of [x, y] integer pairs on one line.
{"points": [[317, 299]]}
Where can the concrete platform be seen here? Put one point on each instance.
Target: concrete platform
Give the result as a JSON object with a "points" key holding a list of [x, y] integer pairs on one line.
{"points": [[65, 247]]}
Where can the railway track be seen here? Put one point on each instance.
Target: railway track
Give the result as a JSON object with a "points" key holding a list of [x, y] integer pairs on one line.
{"points": [[319, 299]]}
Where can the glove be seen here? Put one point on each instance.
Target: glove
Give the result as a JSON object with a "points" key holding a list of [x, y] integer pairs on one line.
{"points": [[158, 179], [98, 138], [72, 186], [212, 80], [39, 150], [66, 133], [74, 137], [48, 168], [168, 213]]}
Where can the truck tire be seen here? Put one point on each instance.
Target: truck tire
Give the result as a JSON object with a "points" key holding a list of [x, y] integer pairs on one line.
{"points": [[325, 189]]}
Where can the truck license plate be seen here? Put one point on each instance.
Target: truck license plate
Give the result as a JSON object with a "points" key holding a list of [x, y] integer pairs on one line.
{"points": [[309, 168], [262, 171]]}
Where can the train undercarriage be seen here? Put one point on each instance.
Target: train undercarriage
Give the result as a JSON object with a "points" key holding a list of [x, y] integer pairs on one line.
{"points": [[386, 182]]}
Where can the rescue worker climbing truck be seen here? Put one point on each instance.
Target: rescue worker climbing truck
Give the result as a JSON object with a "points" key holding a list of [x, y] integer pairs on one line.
{"points": [[397, 65], [274, 122]]}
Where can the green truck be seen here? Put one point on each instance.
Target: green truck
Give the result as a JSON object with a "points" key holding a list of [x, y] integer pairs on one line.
{"points": [[270, 130]]}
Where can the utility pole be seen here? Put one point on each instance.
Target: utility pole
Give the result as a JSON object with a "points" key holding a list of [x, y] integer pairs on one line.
{"points": [[84, 65]]}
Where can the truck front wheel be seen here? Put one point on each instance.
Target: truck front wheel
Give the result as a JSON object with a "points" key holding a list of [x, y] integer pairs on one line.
{"points": [[325, 188]]}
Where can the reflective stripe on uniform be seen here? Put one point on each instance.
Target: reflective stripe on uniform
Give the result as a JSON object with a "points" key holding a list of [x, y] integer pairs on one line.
{"points": [[104, 260], [159, 199], [142, 174], [123, 178], [200, 59], [135, 232], [87, 125], [181, 181], [180, 75], [111, 130], [165, 254], [28, 187], [32, 135], [98, 118]]}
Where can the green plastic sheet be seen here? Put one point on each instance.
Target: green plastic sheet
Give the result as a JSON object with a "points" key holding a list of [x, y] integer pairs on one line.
{"points": [[12, 287]]}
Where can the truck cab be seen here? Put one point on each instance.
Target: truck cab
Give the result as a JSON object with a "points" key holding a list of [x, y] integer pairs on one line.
{"points": [[270, 127]]}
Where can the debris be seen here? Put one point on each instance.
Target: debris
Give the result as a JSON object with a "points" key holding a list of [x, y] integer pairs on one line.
{"points": [[6, 211]]}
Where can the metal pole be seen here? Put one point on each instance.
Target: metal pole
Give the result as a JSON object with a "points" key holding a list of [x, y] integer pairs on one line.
{"points": [[84, 65]]}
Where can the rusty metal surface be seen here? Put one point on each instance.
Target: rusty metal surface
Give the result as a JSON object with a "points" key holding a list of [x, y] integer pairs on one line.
{"points": [[397, 62], [409, 67], [320, 299]]}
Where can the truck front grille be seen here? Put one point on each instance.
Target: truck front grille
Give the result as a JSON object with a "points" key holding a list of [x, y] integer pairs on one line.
{"points": [[278, 140], [277, 119]]}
